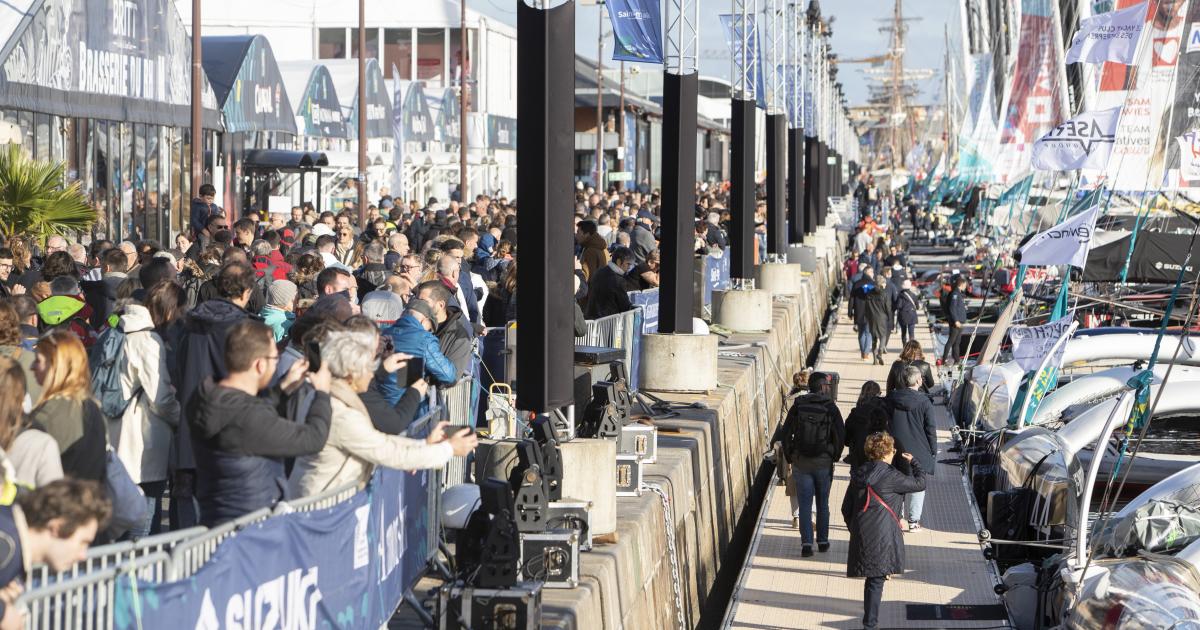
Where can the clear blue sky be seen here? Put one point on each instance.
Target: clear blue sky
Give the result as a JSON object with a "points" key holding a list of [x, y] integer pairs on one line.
{"points": [[855, 35]]}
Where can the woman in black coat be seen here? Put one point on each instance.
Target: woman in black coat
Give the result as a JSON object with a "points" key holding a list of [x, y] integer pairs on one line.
{"points": [[914, 356], [871, 510], [868, 416]]}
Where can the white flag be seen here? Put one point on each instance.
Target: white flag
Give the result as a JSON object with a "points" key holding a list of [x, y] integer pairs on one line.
{"points": [[1189, 156], [1111, 36], [1067, 243], [1084, 141], [1031, 344]]}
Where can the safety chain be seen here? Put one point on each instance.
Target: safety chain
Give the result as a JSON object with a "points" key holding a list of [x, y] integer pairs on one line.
{"points": [[669, 519]]}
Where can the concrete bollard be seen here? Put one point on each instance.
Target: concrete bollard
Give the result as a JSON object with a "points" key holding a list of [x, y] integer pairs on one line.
{"points": [[590, 474], [803, 255], [743, 310], [679, 363], [781, 279]]}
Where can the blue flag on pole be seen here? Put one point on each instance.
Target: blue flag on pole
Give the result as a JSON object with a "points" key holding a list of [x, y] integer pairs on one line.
{"points": [[637, 29], [733, 38]]}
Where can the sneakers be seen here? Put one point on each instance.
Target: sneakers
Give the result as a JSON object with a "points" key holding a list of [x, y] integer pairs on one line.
{"points": [[806, 551], [795, 522], [822, 547], [914, 526]]}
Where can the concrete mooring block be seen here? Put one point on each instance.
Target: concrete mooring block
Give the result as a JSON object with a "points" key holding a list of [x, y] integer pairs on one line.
{"points": [[679, 363], [743, 310], [781, 279]]}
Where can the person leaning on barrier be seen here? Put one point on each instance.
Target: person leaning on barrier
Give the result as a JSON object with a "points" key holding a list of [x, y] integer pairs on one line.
{"points": [[412, 334], [355, 446], [52, 525], [607, 289], [240, 438]]}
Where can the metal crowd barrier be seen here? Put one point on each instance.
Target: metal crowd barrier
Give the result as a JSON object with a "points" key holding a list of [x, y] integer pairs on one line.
{"points": [[116, 554], [457, 403], [190, 555], [613, 331], [86, 602]]}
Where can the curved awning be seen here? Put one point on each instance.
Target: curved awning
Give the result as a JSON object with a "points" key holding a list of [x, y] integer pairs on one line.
{"points": [[245, 78], [71, 58], [379, 100], [280, 160], [315, 99]]}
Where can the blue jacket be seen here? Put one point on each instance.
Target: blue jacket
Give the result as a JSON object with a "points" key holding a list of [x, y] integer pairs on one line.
{"points": [[409, 337]]}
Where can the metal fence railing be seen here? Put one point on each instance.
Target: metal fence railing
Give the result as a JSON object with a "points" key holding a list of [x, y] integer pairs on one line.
{"points": [[190, 555], [614, 331], [459, 411], [88, 601]]}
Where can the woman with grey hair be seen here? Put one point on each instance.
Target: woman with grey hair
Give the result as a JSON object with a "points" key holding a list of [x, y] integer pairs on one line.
{"points": [[354, 445]]}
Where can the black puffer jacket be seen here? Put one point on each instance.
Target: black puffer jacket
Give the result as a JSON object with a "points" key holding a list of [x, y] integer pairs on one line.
{"points": [[867, 417], [895, 378], [873, 518]]}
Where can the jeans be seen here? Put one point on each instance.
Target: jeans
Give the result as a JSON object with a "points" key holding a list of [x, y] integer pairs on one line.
{"points": [[872, 595], [864, 340], [154, 491], [914, 504], [907, 331], [809, 485]]}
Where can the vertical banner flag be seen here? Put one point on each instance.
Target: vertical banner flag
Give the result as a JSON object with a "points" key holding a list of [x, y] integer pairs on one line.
{"points": [[637, 30], [1111, 36], [733, 38], [1084, 141], [1183, 155], [1031, 344], [1067, 243], [1145, 88], [1034, 102], [398, 136]]}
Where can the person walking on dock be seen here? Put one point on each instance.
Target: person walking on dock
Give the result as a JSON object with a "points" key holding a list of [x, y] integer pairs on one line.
{"points": [[906, 310], [813, 439], [859, 296], [913, 427], [878, 309], [956, 316], [870, 509], [869, 416]]}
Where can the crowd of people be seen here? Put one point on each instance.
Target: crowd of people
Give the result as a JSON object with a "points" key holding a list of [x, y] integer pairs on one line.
{"points": [[262, 358]]}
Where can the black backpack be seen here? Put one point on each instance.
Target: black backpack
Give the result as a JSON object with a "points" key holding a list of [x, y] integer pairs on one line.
{"points": [[810, 430]]}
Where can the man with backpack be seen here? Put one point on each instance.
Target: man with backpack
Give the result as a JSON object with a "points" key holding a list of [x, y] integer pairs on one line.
{"points": [[813, 438]]}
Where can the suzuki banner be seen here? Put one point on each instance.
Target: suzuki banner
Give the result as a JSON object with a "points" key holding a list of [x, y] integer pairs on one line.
{"points": [[637, 30], [346, 566]]}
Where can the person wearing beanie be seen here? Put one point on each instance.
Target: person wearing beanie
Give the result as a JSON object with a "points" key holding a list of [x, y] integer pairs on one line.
{"points": [[279, 313], [383, 307]]}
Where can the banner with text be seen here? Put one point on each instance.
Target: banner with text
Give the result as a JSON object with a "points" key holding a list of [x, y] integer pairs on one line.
{"points": [[1031, 344], [637, 27], [1067, 243], [346, 566]]}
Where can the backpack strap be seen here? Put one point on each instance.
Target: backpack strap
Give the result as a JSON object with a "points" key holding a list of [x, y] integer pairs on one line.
{"points": [[872, 495]]}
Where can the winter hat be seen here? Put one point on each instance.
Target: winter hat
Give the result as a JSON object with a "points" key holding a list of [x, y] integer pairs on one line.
{"points": [[321, 229], [384, 307], [282, 293], [334, 305]]}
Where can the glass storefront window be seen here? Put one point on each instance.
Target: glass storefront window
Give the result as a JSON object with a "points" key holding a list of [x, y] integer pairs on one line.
{"points": [[122, 184], [331, 43], [58, 132], [431, 53], [372, 43], [25, 121], [137, 177], [100, 178], [397, 51], [41, 137], [153, 207], [185, 176], [172, 166]]}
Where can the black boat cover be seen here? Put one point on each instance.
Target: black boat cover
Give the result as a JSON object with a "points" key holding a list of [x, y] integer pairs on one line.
{"points": [[1156, 258]]}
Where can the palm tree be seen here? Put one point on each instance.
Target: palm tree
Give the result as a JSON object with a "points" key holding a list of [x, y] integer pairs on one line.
{"points": [[33, 200]]}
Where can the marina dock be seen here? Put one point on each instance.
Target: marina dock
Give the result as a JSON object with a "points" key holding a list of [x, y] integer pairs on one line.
{"points": [[947, 582]]}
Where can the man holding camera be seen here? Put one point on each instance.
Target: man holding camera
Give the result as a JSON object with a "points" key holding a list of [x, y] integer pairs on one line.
{"points": [[240, 437]]}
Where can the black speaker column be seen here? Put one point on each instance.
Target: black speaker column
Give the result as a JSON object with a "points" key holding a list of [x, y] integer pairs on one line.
{"points": [[676, 297], [741, 194], [545, 153], [795, 186], [812, 183], [776, 183]]}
